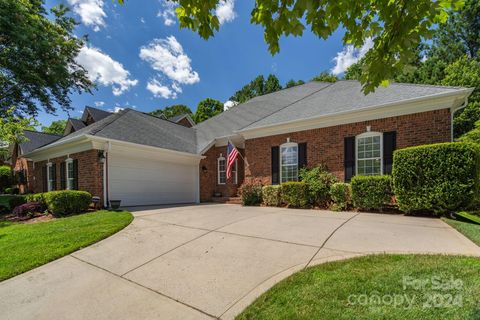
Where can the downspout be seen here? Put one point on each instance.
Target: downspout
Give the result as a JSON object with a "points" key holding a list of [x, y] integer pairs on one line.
{"points": [[105, 176], [453, 110]]}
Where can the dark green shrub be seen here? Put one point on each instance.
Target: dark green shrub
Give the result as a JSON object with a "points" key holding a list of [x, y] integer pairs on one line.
{"points": [[295, 194], [271, 195], [319, 181], [438, 178], [8, 190], [66, 202], [16, 201], [5, 177], [371, 192], [341, 196], [251, 193]]}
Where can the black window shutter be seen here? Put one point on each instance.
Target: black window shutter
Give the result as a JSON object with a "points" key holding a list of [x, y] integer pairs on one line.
{"points": [[63, 176], [54, 170], [302, 155], [44, 176], [275, 165], [389, 145], [75, 174], [349, 158]]}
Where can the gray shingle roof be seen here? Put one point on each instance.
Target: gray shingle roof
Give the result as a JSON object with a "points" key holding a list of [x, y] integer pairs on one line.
{"points": [[36, 140], [97, 114], [345, 96], [137, 127], [246, 113], [77, 124]]}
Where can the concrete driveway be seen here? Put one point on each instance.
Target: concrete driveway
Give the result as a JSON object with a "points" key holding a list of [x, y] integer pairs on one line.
{"points": [[209, 261]]}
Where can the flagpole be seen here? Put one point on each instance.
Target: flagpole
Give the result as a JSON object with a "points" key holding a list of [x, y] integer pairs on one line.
{"points": [[239, 153]]}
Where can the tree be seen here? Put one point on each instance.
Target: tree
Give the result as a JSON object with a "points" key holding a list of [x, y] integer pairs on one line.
{"points": [[272, 84], [396, 26], [293, 83], [257, 87], [37, 58], [172, 111], [207, 109], [325, 77], [12, 127], [56, 127]]}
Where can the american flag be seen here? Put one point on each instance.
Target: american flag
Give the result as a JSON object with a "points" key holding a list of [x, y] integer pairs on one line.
{"points": [[232, 154]]}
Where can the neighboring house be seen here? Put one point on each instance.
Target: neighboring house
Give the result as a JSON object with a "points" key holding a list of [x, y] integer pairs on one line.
{"points": [[145, 160], [23, 167], [183, 119]]}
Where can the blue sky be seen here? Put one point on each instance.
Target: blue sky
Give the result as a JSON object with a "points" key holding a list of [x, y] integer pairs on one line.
{"points": [[139, 57]]}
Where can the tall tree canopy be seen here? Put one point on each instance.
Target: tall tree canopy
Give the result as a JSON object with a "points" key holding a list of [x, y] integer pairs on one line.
{"points": [[257, 87], [206, 109], [397, 27], [37, 58], [325, 77], [56, 127], [293, 83], [172, 111], [453, 58]]}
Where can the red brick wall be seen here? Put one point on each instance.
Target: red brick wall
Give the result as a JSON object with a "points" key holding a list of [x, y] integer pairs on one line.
{"points": [[326, 145], [90, 172], [209, 175], [24, 164]]}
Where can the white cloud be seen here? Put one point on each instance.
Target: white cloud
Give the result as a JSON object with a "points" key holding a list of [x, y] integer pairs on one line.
{"points": [[168, 12], [142, 20], [168, 58], [225, 11], [161, 91], [99, 103], [90, 11], [227, 105], [350, 55], [104, 70], [116, 109]]}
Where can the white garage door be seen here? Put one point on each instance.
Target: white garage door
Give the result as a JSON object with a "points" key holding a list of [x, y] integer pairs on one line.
{"points": [[142, 181]]}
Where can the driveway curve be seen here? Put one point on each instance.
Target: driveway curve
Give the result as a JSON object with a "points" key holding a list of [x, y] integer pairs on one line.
{"points": [[209, 261]]}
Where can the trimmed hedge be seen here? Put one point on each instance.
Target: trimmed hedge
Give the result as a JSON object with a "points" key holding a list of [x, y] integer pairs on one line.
{"points": [[5, 177], [272, 195], [251, 193], [319, 181], [341, 196], [295, 194], [64, 202], [438, 178], [371, 192]]}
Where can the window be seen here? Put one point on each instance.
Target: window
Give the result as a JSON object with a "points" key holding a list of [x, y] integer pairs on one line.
{"points": [[235, 172], [50, 177], [288, 162], [369, 154], [69, 174], [222, 170]]}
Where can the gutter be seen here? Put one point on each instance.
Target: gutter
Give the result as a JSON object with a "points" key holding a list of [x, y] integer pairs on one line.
{"points": [[467, 91]]}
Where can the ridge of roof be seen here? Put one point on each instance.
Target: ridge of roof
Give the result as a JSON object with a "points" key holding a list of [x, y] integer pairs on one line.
{"points": [[40, 132]]}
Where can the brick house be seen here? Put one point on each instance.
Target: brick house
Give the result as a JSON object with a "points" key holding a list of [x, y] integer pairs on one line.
{"points": [[144, 160]]}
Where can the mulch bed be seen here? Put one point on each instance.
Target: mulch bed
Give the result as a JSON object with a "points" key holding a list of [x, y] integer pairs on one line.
{"points": [[37, 217]]}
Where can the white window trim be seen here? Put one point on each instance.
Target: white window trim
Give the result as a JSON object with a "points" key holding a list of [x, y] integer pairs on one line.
{"points": [[218, 170], [366, 135], [67, 177], [286, 145], [49, 184]]}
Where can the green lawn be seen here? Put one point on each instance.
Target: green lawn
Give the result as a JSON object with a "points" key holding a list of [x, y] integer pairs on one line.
{"points": [[469, 230], [26, 246], [366, 288]]}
